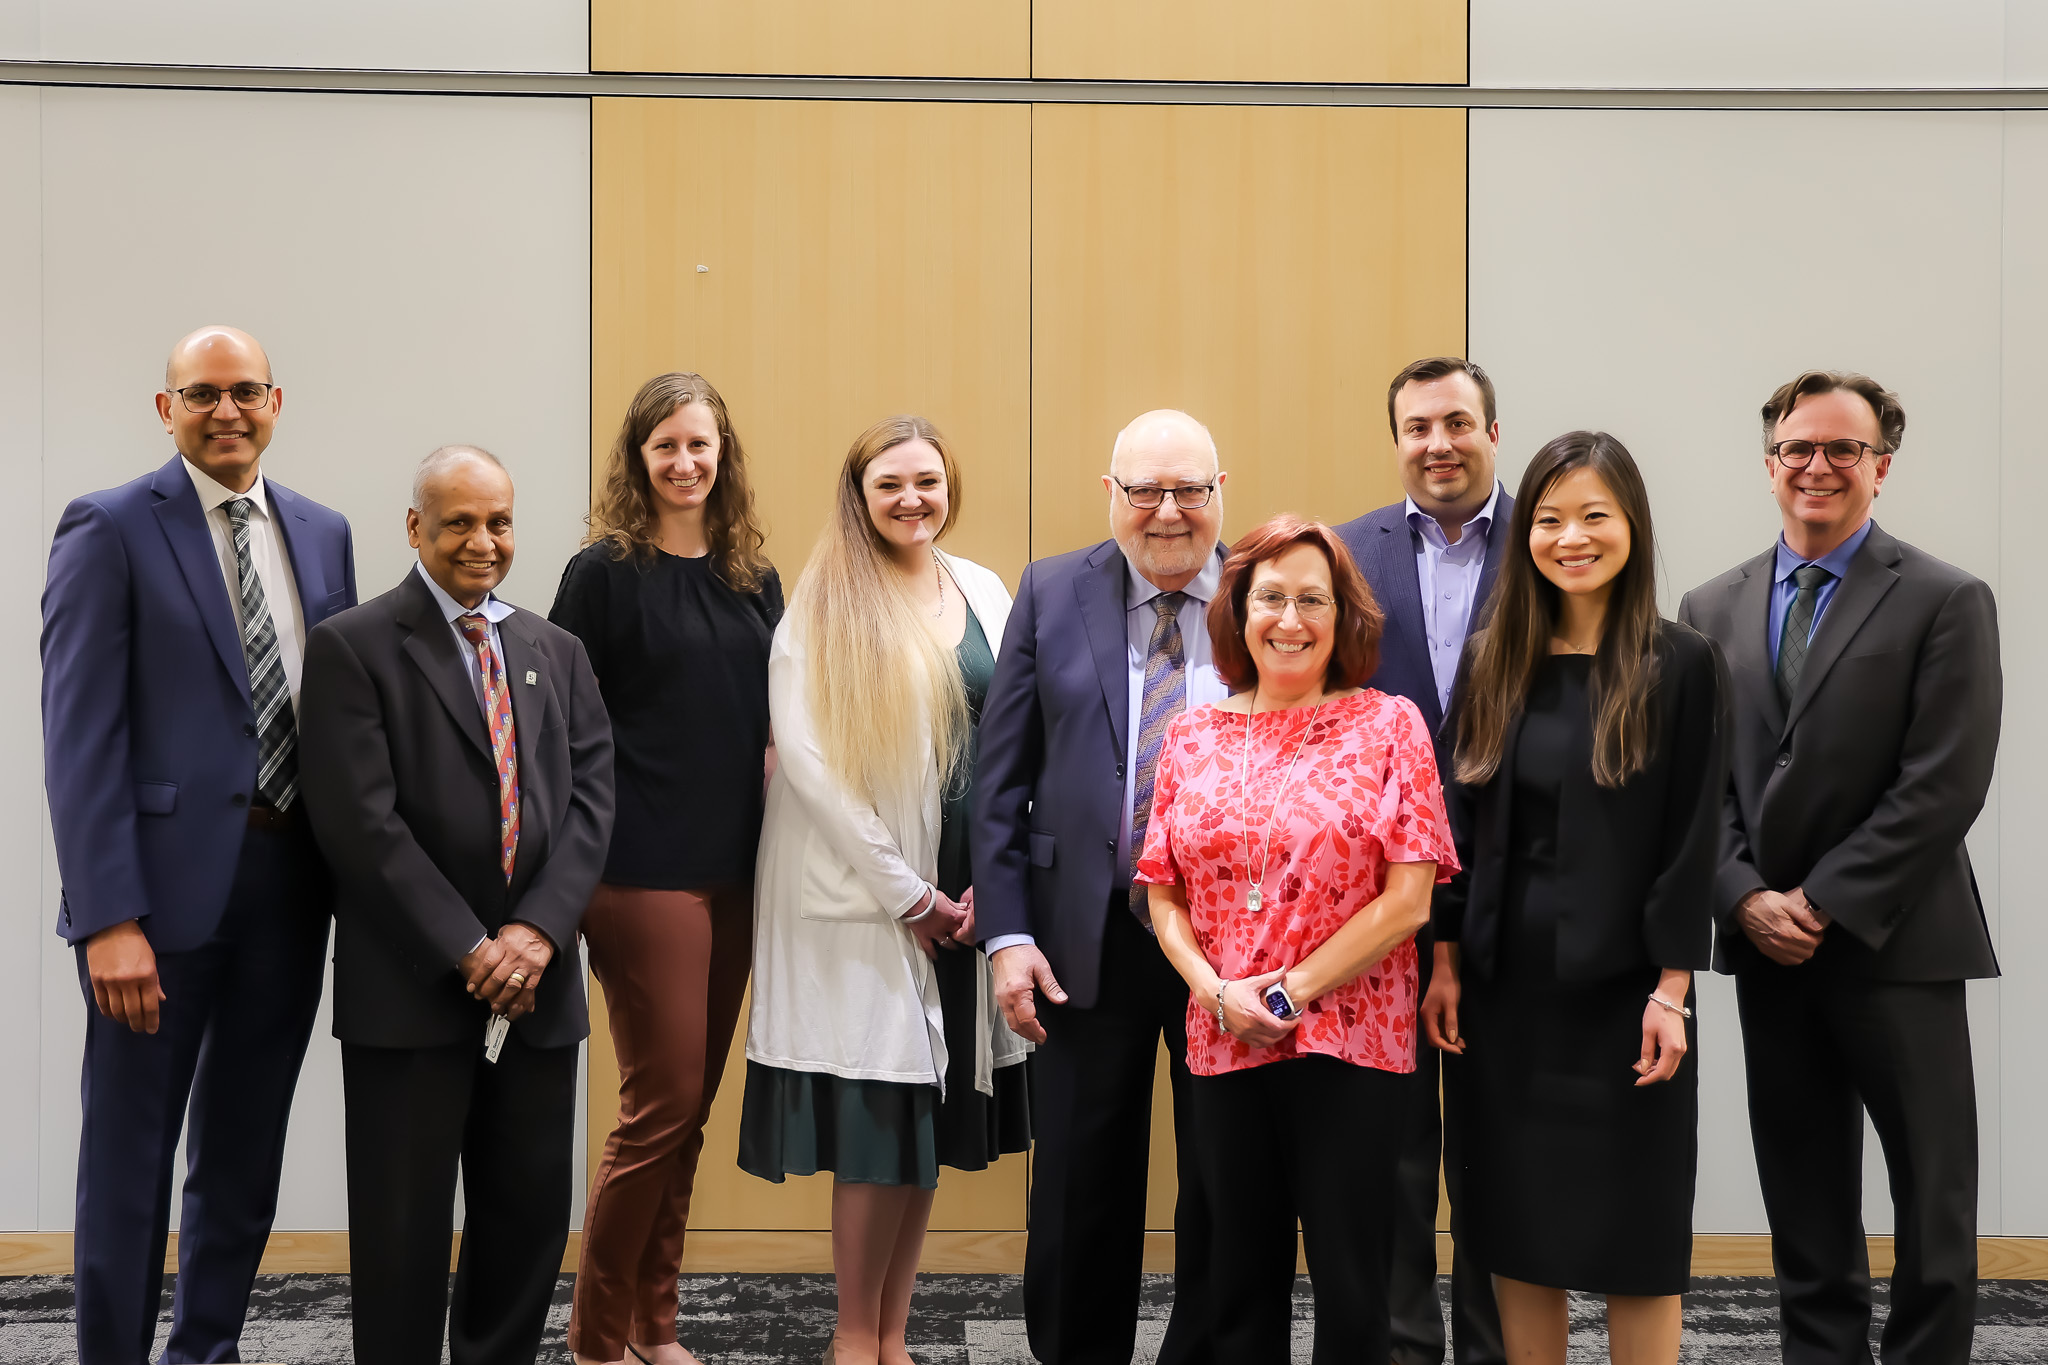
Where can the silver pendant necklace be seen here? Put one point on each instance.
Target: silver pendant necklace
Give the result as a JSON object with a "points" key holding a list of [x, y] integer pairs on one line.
{"points": [[1255, 900]]}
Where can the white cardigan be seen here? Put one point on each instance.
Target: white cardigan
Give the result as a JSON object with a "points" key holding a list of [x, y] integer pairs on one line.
{"points": [[840, 985]]}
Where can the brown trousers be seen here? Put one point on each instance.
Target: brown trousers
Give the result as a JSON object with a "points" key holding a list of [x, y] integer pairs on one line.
{"points": [[673, 965]]}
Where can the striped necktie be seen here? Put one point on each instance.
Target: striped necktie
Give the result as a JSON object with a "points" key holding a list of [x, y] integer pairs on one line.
{"points": [[277, 732], [504, 752], [1165, 696], [1798, 628]]}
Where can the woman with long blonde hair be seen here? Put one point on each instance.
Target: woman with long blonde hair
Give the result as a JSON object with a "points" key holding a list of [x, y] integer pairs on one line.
{"points": [[873, 1048], [675, 606]]}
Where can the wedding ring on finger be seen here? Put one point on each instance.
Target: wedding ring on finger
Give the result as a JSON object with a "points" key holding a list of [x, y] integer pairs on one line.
{"points": [[517, 978]]}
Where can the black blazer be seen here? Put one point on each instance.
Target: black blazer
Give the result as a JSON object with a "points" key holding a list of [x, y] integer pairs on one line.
{"points": [[1049, 788], [1383, 543], [1639, 858], [396, 770], [1863, 792]]}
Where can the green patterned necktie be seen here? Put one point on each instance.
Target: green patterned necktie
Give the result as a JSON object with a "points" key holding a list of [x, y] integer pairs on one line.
{"points": [[1798, 628]]}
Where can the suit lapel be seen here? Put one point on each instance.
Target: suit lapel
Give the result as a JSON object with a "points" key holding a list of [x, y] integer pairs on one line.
{"points": [[430, 644], [1747, 647], [1395, 548], [522, 657], [1869, 578], [292, 526], [1496, 537], [184, 526], [1101, 597]]}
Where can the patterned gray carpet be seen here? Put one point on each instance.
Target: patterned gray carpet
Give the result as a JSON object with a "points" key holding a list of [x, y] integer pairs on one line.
{"points": [[958, 1320]]}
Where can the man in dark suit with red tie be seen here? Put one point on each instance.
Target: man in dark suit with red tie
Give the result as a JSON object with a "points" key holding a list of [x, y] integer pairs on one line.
{"points": [[458, 770], [174, 621], [1431, 560]]}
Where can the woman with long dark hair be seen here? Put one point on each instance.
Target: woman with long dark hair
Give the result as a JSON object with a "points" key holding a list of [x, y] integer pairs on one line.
{"points": [[1586, 789], [676, 606]]}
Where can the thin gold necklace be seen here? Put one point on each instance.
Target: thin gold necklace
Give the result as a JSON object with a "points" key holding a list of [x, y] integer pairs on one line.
{"points": [[939, 573], [1254, 900]]}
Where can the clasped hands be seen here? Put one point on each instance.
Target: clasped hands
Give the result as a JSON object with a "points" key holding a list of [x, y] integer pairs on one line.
{"points": [[1784, 925], [489, 969], [947, 923]]}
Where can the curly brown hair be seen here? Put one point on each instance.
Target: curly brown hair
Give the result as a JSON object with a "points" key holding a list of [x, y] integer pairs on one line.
{"points": [[1356, 649], [624, 514]]}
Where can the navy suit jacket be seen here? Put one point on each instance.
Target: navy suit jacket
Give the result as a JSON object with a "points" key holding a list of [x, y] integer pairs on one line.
{"points": [[1383, 543], [149, 737], [1049, 788]]}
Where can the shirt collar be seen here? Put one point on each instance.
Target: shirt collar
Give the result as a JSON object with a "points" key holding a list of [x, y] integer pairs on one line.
{"points": [[1202, 587], [491, 608], [1835, 561], [1482, 519], [212, 493]]}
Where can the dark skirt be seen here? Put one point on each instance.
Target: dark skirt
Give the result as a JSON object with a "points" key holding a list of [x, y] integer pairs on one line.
{"points": [[1574, 1178], [889, 1132]]}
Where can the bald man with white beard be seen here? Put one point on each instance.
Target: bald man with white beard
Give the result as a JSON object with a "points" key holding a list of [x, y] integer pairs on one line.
{"points": [[174, 623], [1064, 790]]}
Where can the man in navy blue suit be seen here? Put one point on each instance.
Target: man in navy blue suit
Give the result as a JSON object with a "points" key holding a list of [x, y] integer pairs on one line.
{"points": [[1063, 793], [1431, 560], [174, 625]]}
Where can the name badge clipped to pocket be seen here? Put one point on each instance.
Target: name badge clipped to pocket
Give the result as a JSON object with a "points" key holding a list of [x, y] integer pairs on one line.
{"points": [[494, 1036], [532, 677]]}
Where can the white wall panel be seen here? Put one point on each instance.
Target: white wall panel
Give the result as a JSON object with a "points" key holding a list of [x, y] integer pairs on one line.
{"points": [[419, 270], [24, 931], [1657, 275], [432, 35], [1738, 43]]}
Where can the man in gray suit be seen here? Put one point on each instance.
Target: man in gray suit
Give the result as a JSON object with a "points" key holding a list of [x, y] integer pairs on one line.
{"points": [[1866, 713]]}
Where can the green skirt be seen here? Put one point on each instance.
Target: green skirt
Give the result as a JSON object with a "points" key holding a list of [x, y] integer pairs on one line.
{"points": [[866, 1132]]}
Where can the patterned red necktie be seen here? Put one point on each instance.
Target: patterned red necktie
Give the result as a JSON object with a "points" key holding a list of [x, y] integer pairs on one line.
{"points": [[498, 712]]}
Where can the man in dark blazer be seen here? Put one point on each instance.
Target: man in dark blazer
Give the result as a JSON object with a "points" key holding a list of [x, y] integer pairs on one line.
{"points": [[174, 622], [1104, 646], [1431, 560], [458, 771], [1866, 696]]}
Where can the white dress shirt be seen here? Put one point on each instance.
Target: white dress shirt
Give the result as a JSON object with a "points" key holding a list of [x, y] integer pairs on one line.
{"points": [[1449, 578], [268, 557], [1205, 685], [493, 611]]}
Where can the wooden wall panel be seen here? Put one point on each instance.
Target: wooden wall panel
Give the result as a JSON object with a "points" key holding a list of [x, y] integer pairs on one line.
{"points": [[1266, 269], [1418, 42], [814, 37], [860, 260]]}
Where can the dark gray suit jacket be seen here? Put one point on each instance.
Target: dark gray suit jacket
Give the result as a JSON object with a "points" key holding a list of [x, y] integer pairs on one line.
{"points": [[1861, 792], [396, 769]]}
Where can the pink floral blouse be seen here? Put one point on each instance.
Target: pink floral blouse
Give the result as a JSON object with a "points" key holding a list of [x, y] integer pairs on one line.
{"points": [[1364, 793]]}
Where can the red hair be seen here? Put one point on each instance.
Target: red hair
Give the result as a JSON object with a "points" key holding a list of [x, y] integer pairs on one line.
{"points": [[1356, 651]]}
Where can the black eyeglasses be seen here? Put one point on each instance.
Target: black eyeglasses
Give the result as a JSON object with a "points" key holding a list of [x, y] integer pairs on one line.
{"points": [[1844, 453], [1146, 496], [248, 395]]}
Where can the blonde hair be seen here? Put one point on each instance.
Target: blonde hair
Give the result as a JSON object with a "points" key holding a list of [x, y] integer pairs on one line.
{"points": [[624, 515], [876, 668]]}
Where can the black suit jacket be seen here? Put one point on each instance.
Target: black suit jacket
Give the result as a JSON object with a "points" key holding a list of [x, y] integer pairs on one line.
{"points": [[396, 768], [1639, 858], [1383, 543], [1049, 789], [1863, 790]]}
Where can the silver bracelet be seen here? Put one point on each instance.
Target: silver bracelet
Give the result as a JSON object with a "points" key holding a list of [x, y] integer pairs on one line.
{"points": [[1675, 1009], [925, 913], [1221, 987]]}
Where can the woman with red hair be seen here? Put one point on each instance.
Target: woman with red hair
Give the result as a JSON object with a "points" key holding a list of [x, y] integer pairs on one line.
{"points": [[1297, 830]]}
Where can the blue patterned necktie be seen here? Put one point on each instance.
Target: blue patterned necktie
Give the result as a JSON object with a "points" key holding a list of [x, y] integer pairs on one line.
{"points": [[1165, 696], [277, 733], [1798, 628]]}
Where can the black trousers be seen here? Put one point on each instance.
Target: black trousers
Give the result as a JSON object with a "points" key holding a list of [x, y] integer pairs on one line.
{"points": [[1092, 1119], [1433, 1137], [1820, 1048], [414, 1115], [1310, 1139], [222, 1065]]}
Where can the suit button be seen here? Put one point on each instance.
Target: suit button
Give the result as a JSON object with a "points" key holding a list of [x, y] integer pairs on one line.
{"points": [[238, 799], [1109, 844], [1119, 772], [1784, 759], [248, 729]]}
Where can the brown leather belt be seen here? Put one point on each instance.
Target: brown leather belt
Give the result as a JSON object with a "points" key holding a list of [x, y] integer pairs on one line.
{"points": [[270, 817]]}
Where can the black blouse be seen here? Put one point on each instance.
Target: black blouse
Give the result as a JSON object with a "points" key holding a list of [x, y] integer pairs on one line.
{"points": [[1636, 862], [682, 662]]}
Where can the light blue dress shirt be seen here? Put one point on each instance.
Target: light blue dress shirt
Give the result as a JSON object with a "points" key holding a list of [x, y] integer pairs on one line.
{"points": [[1449, 578], [1783, 589], [492, 611], [1205, 685]]}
